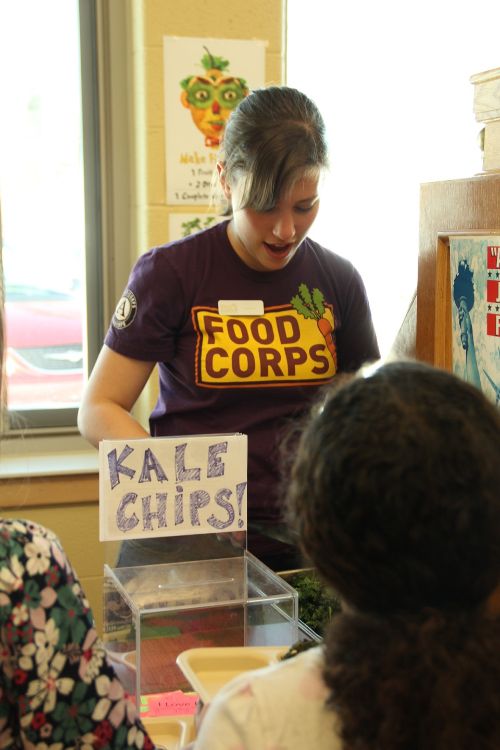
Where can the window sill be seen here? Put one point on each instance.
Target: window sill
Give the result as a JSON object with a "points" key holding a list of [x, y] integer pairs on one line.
{"points": [[46, 456], [41, 471]]}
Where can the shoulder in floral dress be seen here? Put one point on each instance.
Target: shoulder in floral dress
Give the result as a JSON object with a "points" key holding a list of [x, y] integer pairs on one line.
{"points": [[57, 689]]}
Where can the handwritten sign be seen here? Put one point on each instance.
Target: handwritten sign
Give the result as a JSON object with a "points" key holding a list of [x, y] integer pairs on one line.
{"points": [[160, 487]]}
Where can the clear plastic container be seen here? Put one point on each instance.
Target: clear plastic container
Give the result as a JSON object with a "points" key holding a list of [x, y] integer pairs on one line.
{"points": [[154, 612]]}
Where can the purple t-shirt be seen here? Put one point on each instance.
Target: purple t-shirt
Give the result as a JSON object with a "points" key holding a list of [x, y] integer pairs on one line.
{"points": [[237, 373]]}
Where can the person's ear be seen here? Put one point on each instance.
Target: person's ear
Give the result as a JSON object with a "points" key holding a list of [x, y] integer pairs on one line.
{"points": [[185, 100], [226, 189]]}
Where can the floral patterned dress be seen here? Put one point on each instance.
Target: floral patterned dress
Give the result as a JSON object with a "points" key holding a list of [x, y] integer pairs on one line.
{"points": [[56, 688]]}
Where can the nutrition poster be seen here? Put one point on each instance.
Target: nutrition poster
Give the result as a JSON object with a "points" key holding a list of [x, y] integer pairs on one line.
{"points": [[204, 81]]}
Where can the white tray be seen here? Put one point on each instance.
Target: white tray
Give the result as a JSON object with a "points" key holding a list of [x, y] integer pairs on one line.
{"points": [[208, 669], [170, 732]]}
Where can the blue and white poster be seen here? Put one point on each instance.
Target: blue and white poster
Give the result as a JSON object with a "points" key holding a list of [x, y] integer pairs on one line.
{"points": [[475, 303]]}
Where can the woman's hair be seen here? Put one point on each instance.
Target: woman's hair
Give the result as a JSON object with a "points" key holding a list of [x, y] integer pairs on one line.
{"points": [[395, 497], [275, 135]]}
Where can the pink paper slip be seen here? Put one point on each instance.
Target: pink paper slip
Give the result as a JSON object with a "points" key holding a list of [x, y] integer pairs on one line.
{"points": [[175, 703]]}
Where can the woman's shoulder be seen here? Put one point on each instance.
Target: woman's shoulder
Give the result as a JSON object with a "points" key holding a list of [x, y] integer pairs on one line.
{"points": [[20, 528], [329, 257], [192, 243], [29, 550], [283, 704], [178, 256], [296, 674], [20, 537], [302, 674]]}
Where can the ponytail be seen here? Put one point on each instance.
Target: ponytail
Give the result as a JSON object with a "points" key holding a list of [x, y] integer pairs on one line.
{"points": [[407, 683]]}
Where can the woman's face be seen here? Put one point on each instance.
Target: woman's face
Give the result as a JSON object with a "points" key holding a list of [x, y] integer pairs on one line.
{"points": [[268, 240]]}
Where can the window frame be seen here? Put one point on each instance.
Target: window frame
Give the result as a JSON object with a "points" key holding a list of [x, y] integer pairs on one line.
{"points": [[47, 421]]}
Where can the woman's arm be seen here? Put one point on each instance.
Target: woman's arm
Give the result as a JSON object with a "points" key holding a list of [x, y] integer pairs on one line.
{"points": [[112, 390]]}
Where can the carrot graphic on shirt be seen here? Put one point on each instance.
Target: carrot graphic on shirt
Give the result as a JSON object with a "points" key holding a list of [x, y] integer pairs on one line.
{"points": [[312, 305]]}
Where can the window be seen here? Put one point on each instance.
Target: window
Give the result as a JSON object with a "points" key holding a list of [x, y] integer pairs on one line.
{"points": [[50, 206], [392, 81]]}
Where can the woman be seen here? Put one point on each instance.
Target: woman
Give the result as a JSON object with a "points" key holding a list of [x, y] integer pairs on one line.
{"points": [[301, 313], [395, 497], [57, 689]]}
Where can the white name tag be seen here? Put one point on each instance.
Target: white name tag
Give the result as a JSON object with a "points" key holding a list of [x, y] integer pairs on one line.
{"points": [[241, 307]]}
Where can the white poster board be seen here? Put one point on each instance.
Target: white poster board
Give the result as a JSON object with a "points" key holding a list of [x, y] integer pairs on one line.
{"points": [[158, 487], [204, 80]]}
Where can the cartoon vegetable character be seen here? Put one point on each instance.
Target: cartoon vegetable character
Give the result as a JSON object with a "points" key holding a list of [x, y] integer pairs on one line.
{"points": [[212, 97], [313, 306]]}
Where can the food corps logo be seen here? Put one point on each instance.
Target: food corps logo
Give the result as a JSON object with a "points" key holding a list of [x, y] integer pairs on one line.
{"points": [[282, 347]]}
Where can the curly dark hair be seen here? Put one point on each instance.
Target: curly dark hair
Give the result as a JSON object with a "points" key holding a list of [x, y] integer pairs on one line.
{"points": [[395, 497]]}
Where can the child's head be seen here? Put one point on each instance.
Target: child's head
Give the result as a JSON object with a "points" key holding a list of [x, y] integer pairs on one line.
{"points": [[275, 136], [395, 491]]}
